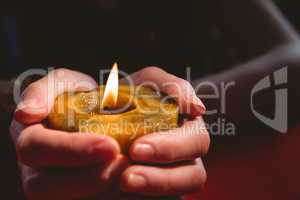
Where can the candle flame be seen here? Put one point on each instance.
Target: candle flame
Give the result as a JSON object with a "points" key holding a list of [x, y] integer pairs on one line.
{"points": [[110, 95]]}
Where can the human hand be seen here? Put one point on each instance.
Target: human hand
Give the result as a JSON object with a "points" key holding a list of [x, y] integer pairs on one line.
{"points": [[56, 164], [169, 163], [41, 152]]}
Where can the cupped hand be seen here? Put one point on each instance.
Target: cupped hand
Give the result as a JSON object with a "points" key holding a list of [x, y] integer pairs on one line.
{"points": [[59, 165], [56, 164], [169, 163]]}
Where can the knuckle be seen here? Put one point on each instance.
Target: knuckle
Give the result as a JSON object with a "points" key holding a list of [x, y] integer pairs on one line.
{"points": [[182, 82], [152, 69], [186, 86], [172, 87], [32, 88], [179, 86], [62, 72]]}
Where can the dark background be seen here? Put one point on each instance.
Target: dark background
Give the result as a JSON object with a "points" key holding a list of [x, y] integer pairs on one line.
{"points": [[89, 35]]}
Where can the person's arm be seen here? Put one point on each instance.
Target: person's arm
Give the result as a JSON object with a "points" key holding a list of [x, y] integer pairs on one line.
{"points": [[256, 26], [244, 77], [269, 42]]}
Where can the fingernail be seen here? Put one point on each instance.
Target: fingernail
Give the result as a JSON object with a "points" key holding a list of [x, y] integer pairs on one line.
{"points": [[198, 104], [199, 109], [143, 152], [198, 101], [136, 181]]}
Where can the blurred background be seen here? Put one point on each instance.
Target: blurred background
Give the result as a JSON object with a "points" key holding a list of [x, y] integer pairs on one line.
{"points": [[93, 34], [209, 36]]}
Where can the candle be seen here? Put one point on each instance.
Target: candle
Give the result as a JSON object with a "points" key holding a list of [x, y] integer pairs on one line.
{"points": [[121, 111]]}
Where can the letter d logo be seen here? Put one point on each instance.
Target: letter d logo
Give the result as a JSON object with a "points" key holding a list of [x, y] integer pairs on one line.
{"points": [[280, 121]]}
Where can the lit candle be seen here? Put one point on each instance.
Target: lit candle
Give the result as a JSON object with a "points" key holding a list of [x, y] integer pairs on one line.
{"points": [[121, 111]]}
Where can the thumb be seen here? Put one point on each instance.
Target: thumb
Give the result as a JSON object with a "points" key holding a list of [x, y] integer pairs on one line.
{"points": [[178, 88], [38, 98]]}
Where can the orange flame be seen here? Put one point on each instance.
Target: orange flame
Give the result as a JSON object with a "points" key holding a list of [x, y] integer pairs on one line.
{"points": [[110, 95]]}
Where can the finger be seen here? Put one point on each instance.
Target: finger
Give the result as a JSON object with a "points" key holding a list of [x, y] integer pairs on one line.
{"points": [[185, 143], [180, 89], [40, 147], [38, 97], [157, 181], [72, 183]]}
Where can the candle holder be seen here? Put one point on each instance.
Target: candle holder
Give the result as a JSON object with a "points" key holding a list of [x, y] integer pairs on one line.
{"points": [[138, 111]]}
